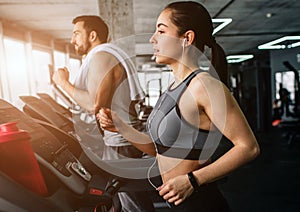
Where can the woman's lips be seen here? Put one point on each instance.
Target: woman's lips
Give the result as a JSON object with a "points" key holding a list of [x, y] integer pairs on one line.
{"points": [[156, 51]]}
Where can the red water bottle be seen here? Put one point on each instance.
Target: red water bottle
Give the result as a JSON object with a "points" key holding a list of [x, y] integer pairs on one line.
{"points": [[17, 159]]}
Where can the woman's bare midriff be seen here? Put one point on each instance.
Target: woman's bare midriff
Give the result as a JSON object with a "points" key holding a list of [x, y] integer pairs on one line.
{"points": [[172, 167]]}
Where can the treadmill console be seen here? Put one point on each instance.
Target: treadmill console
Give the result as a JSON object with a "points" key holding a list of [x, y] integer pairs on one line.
{"points": [[59, 156]]}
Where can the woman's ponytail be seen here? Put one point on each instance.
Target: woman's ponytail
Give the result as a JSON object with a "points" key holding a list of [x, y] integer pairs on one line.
{"points": [[219, 63]]}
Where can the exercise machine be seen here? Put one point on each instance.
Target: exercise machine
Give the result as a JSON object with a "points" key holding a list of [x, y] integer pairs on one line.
{"points": [[71, 185]]}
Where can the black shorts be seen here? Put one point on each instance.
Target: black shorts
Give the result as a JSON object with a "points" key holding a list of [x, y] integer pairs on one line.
{"points": [[208, 199]]}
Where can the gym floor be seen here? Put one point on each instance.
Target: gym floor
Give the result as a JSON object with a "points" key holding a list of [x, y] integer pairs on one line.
{"points": [[269, 183]]}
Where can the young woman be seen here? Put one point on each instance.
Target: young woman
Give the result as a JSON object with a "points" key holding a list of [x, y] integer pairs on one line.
{"points": [[185, 125]]}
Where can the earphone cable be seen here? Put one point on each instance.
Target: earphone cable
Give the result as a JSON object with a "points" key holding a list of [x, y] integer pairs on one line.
{"points": [[148, 174]]}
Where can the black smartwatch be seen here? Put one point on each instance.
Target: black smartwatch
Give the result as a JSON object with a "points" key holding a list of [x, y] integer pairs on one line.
{"points": [[193, 181]]}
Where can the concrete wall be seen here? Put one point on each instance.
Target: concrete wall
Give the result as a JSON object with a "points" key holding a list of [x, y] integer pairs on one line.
{"points": [[119, 16]]}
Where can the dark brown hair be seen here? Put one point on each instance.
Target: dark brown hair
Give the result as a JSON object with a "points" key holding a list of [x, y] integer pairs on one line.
{"points": [[93, 23], [188, 15]]}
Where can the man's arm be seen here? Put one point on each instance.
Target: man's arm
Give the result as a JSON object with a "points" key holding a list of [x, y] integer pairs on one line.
{"points": [[61, 78], [104, 82], [103, 75]]}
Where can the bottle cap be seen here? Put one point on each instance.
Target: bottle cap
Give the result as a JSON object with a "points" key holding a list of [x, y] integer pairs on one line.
{"points": [[9, 131]]}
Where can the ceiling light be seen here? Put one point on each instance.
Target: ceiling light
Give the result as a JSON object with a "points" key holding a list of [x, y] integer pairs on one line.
{"points": [[238, 58], [269, 15], [222, 23], [293, 45], [284, 40]]}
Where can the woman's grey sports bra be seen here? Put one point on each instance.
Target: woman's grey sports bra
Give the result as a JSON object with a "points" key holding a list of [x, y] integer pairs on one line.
{"points": [[173, 136]]}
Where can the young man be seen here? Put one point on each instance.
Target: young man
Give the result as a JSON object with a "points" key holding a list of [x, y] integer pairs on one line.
{"points": [[107, 78]]}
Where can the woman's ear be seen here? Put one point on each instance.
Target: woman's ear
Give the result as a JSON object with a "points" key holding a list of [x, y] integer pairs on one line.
{"points": [[189, 36]]}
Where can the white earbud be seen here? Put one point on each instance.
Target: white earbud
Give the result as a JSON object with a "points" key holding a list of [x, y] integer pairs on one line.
{"points": [[184, 42], [183, 47]]}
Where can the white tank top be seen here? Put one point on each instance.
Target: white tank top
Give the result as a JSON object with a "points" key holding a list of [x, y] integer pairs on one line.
{"points": [[122, 100]]}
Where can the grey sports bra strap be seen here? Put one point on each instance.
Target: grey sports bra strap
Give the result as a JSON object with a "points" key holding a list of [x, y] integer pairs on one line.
{"points": [[191, 76], [176, 92]]}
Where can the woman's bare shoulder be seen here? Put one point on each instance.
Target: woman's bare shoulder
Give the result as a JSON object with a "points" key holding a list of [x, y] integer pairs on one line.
{"points": [[205, 82]]}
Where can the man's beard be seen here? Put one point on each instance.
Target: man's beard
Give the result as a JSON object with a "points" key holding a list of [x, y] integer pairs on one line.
{"points": [[83, 50]]}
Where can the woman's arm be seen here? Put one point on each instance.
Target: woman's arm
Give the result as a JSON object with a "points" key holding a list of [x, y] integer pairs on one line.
{"points": [[109, 120], [226, 115]]}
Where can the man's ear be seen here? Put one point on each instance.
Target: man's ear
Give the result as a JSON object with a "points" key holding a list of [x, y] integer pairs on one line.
{"points": [[93, 36]]}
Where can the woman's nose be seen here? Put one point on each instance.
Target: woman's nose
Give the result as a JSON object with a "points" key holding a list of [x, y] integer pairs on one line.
{"points": [[152, 39]]}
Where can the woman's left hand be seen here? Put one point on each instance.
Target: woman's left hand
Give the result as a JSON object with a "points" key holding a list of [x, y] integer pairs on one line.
{"points": [[176, 190]]}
